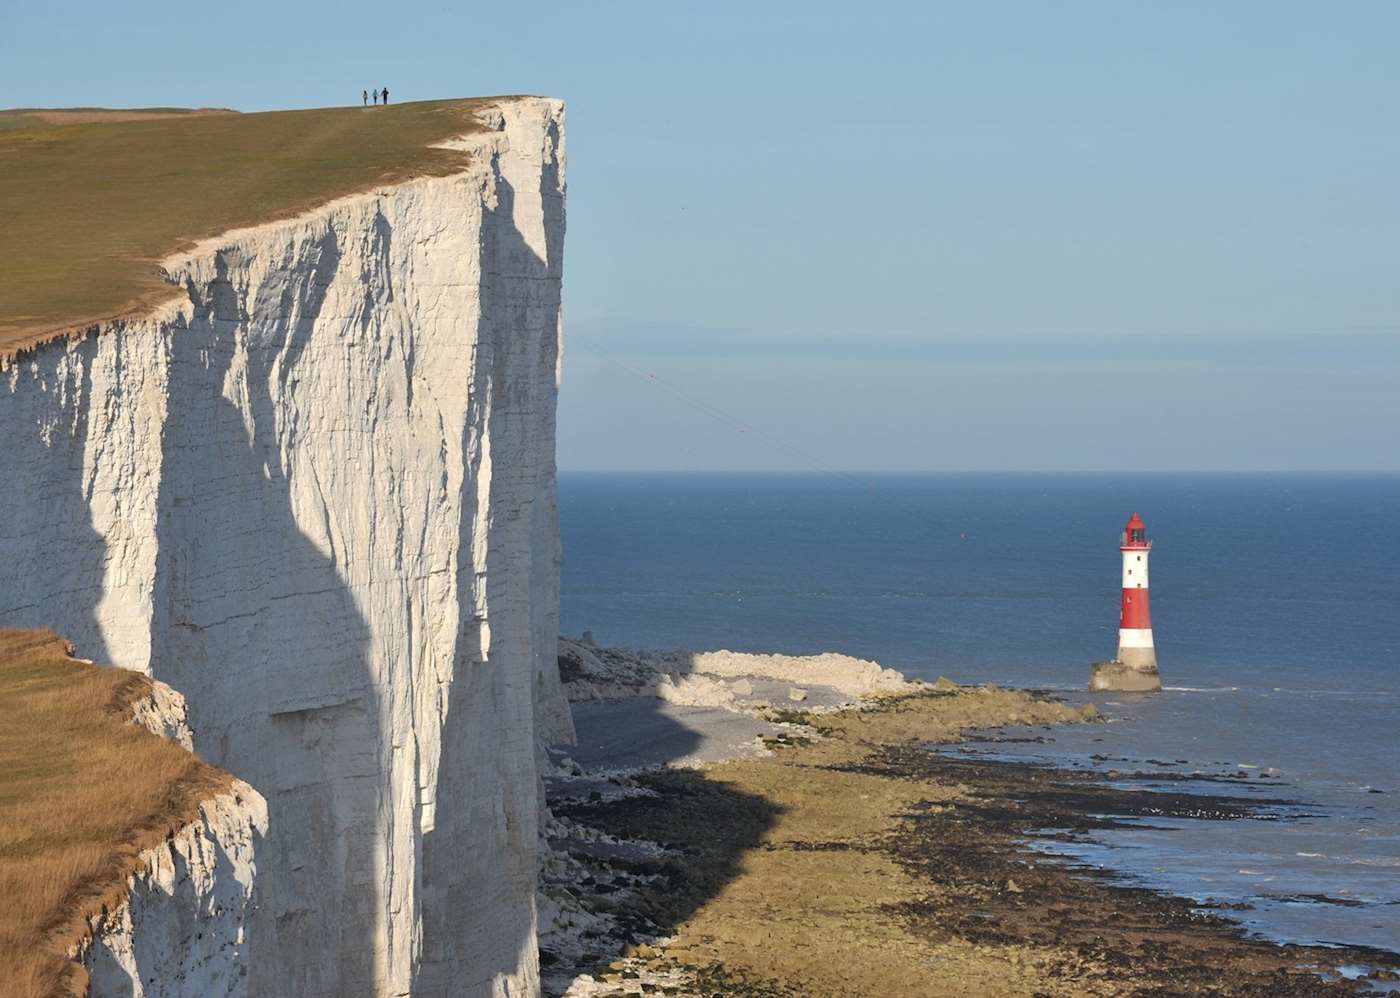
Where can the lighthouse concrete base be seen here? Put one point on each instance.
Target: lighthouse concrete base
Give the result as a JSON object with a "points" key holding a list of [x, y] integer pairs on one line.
{"points": [[1120, 677]]}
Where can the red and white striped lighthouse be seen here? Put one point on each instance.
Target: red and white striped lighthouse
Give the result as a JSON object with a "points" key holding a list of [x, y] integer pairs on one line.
{"points": [[1135, 666], [1135, 620]]}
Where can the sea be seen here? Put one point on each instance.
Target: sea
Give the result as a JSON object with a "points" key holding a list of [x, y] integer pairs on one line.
{"points": [[1275, 610]]}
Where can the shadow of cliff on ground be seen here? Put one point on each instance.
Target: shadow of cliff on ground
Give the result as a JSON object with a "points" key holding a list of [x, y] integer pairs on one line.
{"points": [[707, 827], [260, 631]]}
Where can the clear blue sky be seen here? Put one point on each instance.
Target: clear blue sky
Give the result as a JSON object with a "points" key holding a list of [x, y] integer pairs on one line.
{"points": [[894, 235]]}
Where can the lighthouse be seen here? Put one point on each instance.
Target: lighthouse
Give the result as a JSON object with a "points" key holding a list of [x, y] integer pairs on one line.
{"points": [[1134, 669]]}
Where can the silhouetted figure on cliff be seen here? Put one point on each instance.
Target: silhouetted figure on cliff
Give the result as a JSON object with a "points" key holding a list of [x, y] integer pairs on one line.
{"points": [[364, 97], [375, 97], [385, 92]]}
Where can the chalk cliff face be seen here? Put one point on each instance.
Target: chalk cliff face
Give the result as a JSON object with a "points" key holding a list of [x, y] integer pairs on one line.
{"points": [[317, 498], [183, 928]]}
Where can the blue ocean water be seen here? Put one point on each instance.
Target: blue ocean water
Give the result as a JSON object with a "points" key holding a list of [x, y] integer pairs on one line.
{"points": [[1275, 608]]}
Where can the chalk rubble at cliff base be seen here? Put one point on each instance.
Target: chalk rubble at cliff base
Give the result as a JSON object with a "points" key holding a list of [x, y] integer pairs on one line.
{"points": [[734, 680]]}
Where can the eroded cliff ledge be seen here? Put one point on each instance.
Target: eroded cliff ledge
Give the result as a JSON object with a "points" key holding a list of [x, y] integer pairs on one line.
{"points": [[316, 496], [108, 822]]}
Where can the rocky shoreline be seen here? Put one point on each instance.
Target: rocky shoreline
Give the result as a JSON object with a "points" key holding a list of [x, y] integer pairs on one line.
{"points": [[838, 856]]}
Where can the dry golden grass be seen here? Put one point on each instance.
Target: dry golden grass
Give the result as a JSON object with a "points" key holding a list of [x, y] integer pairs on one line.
{"points": [[82, 792], [93, 200]]}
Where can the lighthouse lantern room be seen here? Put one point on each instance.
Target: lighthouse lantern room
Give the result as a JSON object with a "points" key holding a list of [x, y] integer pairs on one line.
{"points": [[1134, 669]]}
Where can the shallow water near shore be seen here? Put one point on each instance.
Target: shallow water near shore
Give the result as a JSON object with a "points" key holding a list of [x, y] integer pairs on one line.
{"points": [[1322, 868], [1276, 608]]}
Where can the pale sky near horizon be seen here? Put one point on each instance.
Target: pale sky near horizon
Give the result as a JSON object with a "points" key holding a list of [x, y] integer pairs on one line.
{"points": [[894, 235]]}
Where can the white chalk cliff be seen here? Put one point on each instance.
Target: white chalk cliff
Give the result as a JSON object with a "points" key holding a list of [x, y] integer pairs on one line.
{"points": [[316, 496], [182, 927]]}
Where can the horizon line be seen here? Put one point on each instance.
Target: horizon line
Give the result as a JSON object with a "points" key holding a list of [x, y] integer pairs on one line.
{"points": [[980, 471]]}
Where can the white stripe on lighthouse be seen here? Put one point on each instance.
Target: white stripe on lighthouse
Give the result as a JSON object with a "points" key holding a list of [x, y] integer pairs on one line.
{"points": [[1134, 637], [1135, 570]]}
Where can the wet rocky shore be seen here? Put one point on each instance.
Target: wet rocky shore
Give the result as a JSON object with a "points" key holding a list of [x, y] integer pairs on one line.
{"points": [[843, 857]]}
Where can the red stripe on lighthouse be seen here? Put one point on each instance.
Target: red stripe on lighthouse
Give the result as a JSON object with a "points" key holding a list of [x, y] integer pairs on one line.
{"points": [[1135, 615]]}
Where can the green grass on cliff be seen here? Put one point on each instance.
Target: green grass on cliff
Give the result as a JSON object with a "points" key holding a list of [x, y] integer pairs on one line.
{"points": [[91, 201]]}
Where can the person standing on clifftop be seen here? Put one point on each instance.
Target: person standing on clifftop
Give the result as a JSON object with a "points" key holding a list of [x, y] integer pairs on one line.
{"points": [[385, 92], [375, 95], [364, 97]]}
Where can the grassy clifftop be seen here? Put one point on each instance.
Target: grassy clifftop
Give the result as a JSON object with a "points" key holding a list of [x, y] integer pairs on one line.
{"points": [[93, 200], [82, 792]]}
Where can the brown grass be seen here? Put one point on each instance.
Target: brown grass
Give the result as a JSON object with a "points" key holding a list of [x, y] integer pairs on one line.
{"points": [[82, 793], [32, 117], [93, 200]]}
